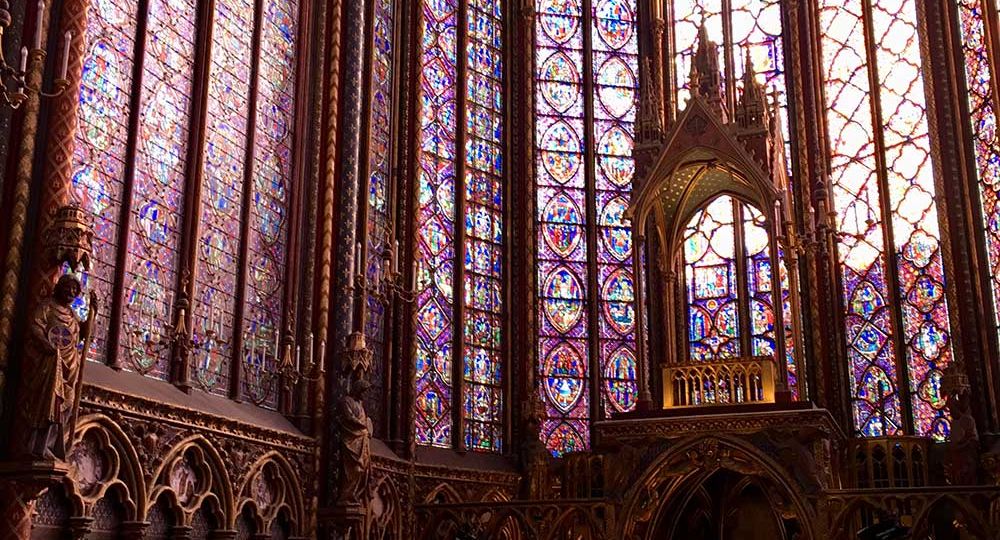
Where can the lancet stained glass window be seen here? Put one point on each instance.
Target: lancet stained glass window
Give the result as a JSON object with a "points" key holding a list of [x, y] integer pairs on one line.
{"points": [[982, 87], [99, 152], [574, 321], [379, 220], [158, 192], [157, 169], [222, 193], [269, 191], [898, 341], [461, 140]]}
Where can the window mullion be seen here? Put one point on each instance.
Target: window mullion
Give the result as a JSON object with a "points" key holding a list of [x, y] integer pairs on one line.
{"points": [[744, 325], [458, 264]]}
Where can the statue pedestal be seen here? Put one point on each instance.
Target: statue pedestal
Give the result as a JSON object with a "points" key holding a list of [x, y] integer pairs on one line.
{"points": [[342, 522], [21, 482]]}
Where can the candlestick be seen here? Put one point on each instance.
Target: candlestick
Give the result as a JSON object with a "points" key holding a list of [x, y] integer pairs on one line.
{"points": [[67, 39], [309, 349], [38, 25], [394, 263]]}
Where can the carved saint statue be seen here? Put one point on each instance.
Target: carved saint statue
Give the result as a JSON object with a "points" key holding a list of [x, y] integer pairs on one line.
{"points": [[355, 439], [51, 371]]}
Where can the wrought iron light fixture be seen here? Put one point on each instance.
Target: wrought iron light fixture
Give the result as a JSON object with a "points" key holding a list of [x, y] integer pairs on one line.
{"points": [[15, 82]]}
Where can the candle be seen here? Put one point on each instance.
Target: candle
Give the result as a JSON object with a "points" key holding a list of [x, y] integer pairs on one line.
{"points": [[277, 339], [309, 349], [67, 40], [24, 60], [253, 345], [322, 352], [38, 25], [394, 263], [357, 258], [413, 285], [298, 358]]}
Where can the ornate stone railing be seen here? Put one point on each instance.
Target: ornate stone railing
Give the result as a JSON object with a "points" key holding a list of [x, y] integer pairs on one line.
{"points": [[729, 382]]}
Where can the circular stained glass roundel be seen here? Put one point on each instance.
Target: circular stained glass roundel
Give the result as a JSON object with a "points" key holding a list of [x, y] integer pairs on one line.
{"points": [[614, 231], [565, 371], [617, 87], [619, 170], [619, 379], [560, 19], [614, 22], [561, 152], [618, 299], [562, 224], [615, 142], [563, 305], [560, 82]]}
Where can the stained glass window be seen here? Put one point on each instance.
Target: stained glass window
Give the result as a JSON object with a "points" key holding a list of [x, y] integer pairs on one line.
{"points": [[158, 103], [269, 189], [464, 163], [982, 88], [222, 193], [99, 152], [379, 220], [158, 191], [713, 290], [572, 193], [898, 336], [482, 370]]}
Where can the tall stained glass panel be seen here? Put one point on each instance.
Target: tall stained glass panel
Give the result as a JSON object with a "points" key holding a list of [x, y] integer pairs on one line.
{"points": [[270, 191], [570, 43], [462, 141], [615, 60], [222, 193], [99, 150], [379, 172], [564, 370], [484, 140], [881, 171], [158, 190], [435, 250], [982, 87]]}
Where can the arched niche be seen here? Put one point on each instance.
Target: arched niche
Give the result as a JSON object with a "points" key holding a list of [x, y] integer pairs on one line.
{"points": [[761, 281]]}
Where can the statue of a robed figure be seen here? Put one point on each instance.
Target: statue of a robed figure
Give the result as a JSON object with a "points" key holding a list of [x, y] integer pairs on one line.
{"points": [[51, 372]]}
